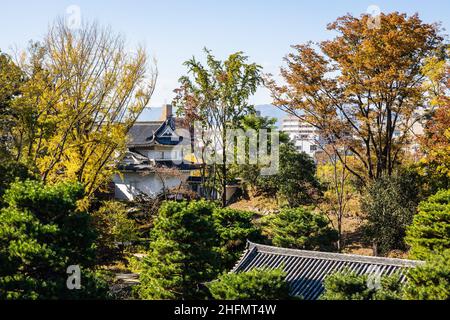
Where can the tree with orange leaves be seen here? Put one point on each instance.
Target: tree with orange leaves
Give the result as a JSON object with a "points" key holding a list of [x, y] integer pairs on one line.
{"points": [[436, 141], [363, 88]]}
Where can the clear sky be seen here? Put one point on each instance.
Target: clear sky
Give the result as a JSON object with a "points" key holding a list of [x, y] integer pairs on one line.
{"points": [[175, 30]]}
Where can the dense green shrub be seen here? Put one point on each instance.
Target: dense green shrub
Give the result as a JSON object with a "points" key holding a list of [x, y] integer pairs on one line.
{"points": [[256, 284], [114, 226], [234, 227], [432, 280], [430, 230], [389, 204], [41, 234], [191, 244], [183, 252], [11, 171], [350, 286], [295, 183], [300, 229]]}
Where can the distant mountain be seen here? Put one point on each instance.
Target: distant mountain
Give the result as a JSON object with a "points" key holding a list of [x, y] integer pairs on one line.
{"points": [[267, 110]]}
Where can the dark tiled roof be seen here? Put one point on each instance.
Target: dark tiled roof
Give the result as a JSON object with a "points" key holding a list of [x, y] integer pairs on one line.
{"points": [[167, 140], [134, 161], [144, 134], [306, 270], [141, 133], [180, 166]]}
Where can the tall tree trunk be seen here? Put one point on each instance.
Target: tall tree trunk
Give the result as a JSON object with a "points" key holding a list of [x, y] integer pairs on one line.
{"points": [[375, 248], [339, 242], [224, 169]]}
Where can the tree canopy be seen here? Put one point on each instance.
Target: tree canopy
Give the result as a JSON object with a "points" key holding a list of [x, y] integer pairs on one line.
{"points": [[81, 94], [389, 205], [11, 77], [41, 235], [432, 280], [364, 88], [300, 228], [435, 142], [234, 228], [257, 284], [350, 286], [216, 95], [182, 253], [295, 183], [430, 230], [191, 244], [115, 229]]}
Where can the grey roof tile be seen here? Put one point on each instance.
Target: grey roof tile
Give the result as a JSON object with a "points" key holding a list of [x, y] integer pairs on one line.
{"points": [[306, 270], [141, 133]]}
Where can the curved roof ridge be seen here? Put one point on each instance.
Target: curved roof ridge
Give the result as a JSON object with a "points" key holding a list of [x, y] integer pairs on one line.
{"points": [[148, 121], [331, 256]]}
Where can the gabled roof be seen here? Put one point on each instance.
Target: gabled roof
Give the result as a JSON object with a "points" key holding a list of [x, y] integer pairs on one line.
{"points": [[141, 133], [145, 134], [136, 162], [133, 161], [166, 135], [306, 270]]}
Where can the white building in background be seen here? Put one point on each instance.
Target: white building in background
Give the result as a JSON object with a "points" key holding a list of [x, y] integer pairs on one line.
{"points": [[306, 137], [303, 135], [414, 128]]}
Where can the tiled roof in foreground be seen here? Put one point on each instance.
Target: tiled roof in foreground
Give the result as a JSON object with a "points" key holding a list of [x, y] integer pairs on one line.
{"points": [[306, 270]]}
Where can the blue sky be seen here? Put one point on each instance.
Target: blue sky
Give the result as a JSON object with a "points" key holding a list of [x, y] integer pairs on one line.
{"points": [[175, 30]]}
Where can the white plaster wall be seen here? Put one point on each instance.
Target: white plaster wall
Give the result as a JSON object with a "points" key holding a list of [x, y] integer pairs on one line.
{"points": [[129, 185], [169, 154]]}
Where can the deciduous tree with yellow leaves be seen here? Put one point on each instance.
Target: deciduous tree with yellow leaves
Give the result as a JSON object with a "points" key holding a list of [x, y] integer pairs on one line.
{"points": [[84, 90], [10, 80]]}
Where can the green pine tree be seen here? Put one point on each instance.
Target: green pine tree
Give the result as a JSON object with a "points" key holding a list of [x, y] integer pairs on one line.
{"points": [[430, 230], [300, 229], [183, 252], [430, 281], [41, 235], [257, 284]]}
